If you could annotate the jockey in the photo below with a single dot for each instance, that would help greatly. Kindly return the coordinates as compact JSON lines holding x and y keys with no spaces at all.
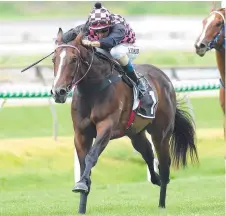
{"x":111,"y":32}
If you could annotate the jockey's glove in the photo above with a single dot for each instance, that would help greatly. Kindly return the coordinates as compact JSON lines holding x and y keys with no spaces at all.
{"x":90,"y":43}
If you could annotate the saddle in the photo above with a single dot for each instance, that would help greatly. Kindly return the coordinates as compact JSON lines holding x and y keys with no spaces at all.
{"x":144,"y":106}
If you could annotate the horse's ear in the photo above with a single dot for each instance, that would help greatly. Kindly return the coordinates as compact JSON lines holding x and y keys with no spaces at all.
{"x":213,"y":6}
{"x":59,"y":36}
{"x":78,"y":39}
{"x":85,"y":28}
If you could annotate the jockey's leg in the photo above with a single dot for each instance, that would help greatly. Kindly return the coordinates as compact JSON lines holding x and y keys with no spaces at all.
{"x":129,"y":69}
{"x":121,"y":54}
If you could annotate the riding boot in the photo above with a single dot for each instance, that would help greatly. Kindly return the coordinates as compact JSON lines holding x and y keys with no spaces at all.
{"x":130,"y":72}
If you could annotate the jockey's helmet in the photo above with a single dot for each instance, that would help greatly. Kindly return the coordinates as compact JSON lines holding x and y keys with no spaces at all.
{"x":99,"y":17}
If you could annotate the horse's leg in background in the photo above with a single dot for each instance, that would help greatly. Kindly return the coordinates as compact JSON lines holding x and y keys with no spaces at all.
{"x":104,"y":131}
{"x":143,"y":146}
{"x":82,"y":145}
{"x":161,"y":143}
{"x":222,"y":103}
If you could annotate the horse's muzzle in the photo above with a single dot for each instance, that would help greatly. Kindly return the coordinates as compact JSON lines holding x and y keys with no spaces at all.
{"x":59,"y":96}
{"x":200,"y":53}
{"x":201,"y":49}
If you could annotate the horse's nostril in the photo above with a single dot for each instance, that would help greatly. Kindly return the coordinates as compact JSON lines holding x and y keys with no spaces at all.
{"x":202,"y":46}
{"x":62,"y":92}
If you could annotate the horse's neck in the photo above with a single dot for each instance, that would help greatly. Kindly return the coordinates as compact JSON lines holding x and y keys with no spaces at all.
{"x":220,"y":57}
{"x":98,"y":68}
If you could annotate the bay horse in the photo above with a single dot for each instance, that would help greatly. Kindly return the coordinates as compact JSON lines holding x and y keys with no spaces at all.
{"x":213,"y":37}
{"x":102,"y":113}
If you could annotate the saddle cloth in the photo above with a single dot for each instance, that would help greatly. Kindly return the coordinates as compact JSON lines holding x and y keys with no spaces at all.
{"x":146,"y":105}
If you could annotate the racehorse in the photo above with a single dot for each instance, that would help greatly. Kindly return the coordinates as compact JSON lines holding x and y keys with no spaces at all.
{"x":213,"y":36}
{"x":102,"y":106}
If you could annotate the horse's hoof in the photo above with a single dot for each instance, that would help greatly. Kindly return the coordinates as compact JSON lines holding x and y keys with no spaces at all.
{"x":80,"y":187}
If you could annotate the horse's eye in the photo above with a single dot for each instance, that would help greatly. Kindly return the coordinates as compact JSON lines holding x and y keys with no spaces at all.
{"x":219,"y":24}
{"x":73,"y":59}
{"x":53,"y":59}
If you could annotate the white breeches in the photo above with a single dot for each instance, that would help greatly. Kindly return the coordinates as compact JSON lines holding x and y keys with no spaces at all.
{"x":125,"y":52}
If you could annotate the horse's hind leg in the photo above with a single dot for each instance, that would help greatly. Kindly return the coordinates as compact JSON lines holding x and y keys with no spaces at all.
{"x":161,"y":144}
{"x":143,"y":146}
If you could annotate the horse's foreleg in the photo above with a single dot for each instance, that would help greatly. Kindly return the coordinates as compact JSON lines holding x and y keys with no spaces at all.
{"x":104,"y":130}
{"x":222,"y":103}
{"x":82,"y":145}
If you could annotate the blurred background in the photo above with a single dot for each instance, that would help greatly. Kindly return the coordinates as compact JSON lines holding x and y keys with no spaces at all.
{"x":36,"y":135}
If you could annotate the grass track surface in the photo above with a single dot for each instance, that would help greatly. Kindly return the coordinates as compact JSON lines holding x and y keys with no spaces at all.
{"x":37,"y":173}
{"x":37,"y":177}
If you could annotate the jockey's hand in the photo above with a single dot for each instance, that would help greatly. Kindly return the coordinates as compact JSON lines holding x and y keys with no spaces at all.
{"x":91,"y":43}
{"x":86,"y":42}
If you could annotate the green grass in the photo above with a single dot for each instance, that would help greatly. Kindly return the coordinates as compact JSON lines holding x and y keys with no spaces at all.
{"x":37,"y":173}
{"x":157,"y":58}
{"x":140,"y":199}
{"x":39,"y":181}
{"x":37,"y":121}
{"x":53,"y":10}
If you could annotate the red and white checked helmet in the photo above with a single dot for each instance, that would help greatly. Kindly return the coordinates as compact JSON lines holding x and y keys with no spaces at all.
{"x":99,"y":17}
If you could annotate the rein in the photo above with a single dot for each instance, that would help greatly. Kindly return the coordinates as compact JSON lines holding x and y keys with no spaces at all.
{"x":73,"y":83}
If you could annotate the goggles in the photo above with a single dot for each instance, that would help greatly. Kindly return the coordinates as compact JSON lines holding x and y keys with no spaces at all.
{"x":101,"y":30}
{"x":99,"y":22}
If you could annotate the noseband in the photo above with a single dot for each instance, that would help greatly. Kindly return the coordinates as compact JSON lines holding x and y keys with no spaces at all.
{"x":217,"y":37}
{"x":74,"y":83}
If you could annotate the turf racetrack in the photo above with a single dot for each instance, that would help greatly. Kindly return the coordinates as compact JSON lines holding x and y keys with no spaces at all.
{"x":36,"y":173}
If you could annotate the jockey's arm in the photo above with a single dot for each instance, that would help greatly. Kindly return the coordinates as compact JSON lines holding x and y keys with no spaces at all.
{"x":116,"y":35}
{"x":72,"y":33}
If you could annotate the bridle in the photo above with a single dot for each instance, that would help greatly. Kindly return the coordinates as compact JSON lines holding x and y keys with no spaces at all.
{"x":73,"y":82}
{"x":217,"y":37}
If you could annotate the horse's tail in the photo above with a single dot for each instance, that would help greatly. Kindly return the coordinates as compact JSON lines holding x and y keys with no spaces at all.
{"x":183,"y":138}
